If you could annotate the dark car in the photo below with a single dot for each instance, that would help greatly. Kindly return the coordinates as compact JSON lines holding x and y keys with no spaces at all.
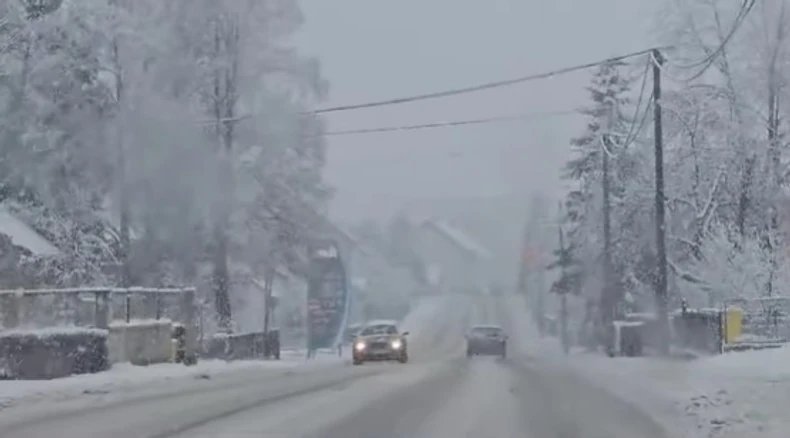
{"x":380,"y":340}
{"x":486,"y":340}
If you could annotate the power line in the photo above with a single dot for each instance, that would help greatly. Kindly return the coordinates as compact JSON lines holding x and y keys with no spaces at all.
{"x":632,"y":130}
{"x":434,"y":125}
{"x":707,"y":62}
{"x":481,"y":87}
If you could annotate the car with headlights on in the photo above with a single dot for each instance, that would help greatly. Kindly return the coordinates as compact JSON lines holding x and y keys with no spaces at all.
{"x":486,"y":340}
{"x":380,"y":341}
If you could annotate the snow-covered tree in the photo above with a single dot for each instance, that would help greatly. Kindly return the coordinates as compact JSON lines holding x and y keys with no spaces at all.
{"x":601,"y":172}
{"x":726,"y":147}
{"x":126,"y":126}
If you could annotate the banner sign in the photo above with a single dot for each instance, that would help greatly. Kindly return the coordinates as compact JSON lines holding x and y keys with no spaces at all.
{"x":327,"y":297}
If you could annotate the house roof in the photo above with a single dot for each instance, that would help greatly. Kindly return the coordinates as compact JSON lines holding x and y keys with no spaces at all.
{"x":457,"y":237}
{"x":24,"y":236}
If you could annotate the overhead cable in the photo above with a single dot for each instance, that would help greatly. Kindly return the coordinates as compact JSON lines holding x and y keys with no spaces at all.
{"x":707,"y":62}
{"x":521,"y":117}
{"x":481,"y":87}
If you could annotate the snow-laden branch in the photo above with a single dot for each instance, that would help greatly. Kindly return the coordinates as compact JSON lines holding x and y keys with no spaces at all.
{"x":223,"y":120}
{"x":684,"y":240}
{"x":684,"y":275}
{"x":710,"y":204}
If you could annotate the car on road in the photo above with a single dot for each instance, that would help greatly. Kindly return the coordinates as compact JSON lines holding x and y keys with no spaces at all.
{"x":378,"y":341}
{"x":486,"y":340}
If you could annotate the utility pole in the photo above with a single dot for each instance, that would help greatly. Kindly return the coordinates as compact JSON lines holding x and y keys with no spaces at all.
{"x":661,"y":269}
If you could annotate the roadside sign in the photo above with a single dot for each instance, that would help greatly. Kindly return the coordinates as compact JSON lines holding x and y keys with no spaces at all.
{"x":327,"y":297}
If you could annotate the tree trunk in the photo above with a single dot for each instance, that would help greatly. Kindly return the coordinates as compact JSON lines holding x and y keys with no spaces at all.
{"x":608,"y":298}
{"x":221,"y":278}
{"x":268,"y":285}
{"x":224,"y":101}
{"x":744,"y":200}
{"x":776,"y":179}
{"x":123,"y":192}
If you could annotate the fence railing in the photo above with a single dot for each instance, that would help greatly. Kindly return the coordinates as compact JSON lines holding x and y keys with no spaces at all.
{"x":758,"y":322}
{"x":93,"y":307}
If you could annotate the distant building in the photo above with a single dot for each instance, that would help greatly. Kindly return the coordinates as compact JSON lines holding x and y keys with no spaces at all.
{"x":379,"y":288}
{"x":454,"y":260}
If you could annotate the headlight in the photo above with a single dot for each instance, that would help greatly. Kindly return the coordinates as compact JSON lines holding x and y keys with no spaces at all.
{"x":396,"y":344}
{"x":359,"y":346}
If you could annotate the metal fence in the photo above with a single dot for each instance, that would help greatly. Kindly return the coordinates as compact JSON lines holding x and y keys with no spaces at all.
{"x":92,"y":307}
{"x":756,"y":323}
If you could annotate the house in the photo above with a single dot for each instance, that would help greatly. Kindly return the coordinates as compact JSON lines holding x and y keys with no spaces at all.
{"x":379,"y":288}
{"x":454,"y":261}
{"x":19,"y":241}
{"x":25,"y":237}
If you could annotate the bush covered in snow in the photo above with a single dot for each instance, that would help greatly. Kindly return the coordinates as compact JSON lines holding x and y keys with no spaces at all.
{"x":52,"y":353}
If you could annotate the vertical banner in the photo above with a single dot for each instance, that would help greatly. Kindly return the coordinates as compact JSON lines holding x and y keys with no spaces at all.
{"x":327,"y":297}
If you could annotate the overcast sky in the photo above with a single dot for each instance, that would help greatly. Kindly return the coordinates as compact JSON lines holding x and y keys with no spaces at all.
{"x":376,"y":49}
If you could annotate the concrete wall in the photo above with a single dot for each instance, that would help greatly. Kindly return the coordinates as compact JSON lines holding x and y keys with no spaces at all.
{"x":141,"y":342}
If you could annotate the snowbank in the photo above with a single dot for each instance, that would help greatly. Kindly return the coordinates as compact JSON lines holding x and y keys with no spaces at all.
{"x":736,"y":394}
{"x":739,"y":394}
{"x":124,"y":378}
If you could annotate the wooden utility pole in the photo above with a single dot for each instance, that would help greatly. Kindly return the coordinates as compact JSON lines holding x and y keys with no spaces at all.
{"x":661,"y":254}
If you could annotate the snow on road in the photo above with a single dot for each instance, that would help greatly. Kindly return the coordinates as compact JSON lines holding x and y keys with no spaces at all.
{"x":234,"y":402}
{"x":439,"y":392}
{"x":482,"y":403}
{"x":436,"y":335}
{"x":487,"y":396}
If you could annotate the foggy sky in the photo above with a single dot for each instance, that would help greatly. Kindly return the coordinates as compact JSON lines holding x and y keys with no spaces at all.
{"x":375,"y":49}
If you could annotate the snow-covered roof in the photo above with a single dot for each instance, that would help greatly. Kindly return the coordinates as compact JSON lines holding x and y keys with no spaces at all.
{"x":23,"y":235}
{"x":458,"y":237}
{"x":381,"y":322}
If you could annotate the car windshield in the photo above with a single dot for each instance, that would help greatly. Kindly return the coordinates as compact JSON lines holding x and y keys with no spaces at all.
{"x":381,"y":329}
{"x":486,"y":331}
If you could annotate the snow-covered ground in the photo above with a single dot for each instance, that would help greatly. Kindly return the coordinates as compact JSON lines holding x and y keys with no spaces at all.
{"x":739,"y":394}
{"x":732,"y":395}
{"x":125,"y":377}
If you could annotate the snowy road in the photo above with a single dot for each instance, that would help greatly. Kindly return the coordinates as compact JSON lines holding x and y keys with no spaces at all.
{"x":440,"y":393}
